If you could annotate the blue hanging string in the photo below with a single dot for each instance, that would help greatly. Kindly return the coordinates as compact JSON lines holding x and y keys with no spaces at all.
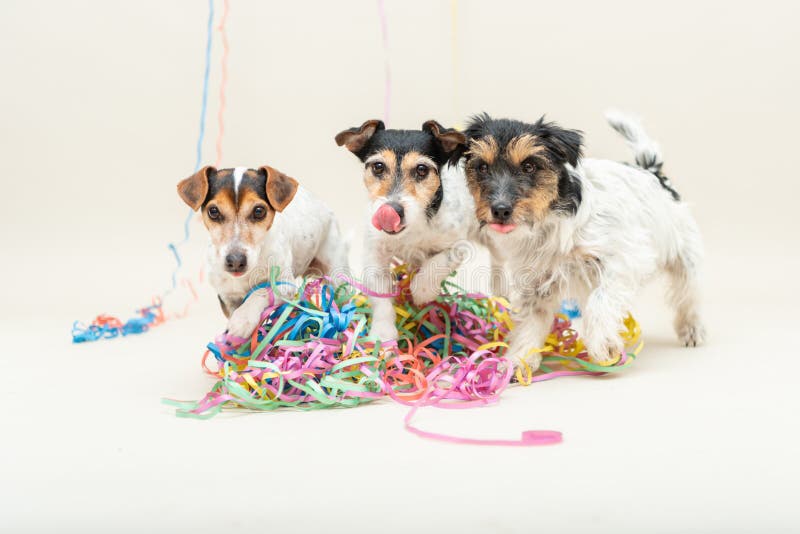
{"x":199,"y":149}
{"x":147,"y":316}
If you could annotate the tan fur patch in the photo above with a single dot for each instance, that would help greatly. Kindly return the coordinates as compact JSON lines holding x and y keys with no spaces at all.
{"x":379,"y":186}
{"x":484,"y":148}
{"x":537,"y":204}
{"x":483,"y":211}
{"x":422,"y":189}
{"x":521,"y":148}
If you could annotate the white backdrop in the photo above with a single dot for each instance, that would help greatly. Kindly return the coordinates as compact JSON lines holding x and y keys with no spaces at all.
{"x":100,"y":114}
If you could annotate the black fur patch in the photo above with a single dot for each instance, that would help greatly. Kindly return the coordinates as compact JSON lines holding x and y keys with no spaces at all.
{"x":436,"y":201}
{"x":570,"y":194}
{"x":566,"y":145}
{"x":252,"y":179}
{"x":666,"y":184}
{"x":402,"y":142}
{"x":221,"y":180}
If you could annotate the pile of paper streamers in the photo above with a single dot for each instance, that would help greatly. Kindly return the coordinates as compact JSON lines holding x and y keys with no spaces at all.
{"x":317,"y":352}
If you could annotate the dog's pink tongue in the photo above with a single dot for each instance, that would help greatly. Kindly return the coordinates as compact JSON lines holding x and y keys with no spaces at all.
{"x":387,"y":219}
{"x":502,"y":228}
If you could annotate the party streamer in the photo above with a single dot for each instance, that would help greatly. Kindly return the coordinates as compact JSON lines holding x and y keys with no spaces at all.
{"x":454,"y":59}
{"x":387,"y":86}
{"x":223,"y":83}
{"x":317,"y":352}
{"x":106,"y":326}
{"x":200,"y":138}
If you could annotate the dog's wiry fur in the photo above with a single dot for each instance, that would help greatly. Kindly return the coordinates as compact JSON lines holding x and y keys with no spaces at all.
{"x":408,"y":171}
{"x":567,"y":226}
{"x":259,"y":219}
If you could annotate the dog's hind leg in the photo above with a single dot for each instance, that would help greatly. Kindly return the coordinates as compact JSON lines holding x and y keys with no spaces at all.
{"x":684,"y":290}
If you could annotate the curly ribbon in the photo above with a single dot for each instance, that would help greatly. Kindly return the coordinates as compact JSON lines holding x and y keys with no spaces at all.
{"x":315,"y":351}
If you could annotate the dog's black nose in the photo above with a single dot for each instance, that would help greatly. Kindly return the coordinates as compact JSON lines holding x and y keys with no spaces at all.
{"x":501,"y":211}
{"x":236,"y":262}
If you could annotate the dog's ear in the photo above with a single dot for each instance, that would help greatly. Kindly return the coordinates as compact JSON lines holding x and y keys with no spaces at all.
{"x":356,"y":138}
{"x":280,"y":188}
{"x":567,"y":144}
{"x":193,"y":190}
{"x":452,"y":142}
{"x":450,"y":139}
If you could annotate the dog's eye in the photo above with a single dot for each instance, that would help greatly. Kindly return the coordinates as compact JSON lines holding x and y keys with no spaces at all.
{"x":422,"y":171}
{"x":259,"y":213}
{"x":483,"y":168}
{"x":528,"y":167}
{"x":214,"y":214}
{"x":378,"y":168}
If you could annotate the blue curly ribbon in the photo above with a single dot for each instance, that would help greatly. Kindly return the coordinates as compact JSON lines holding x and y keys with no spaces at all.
{"x":571,"y":309}
{"x":303,"y":318}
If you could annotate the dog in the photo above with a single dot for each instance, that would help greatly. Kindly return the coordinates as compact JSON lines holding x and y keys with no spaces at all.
{"x":259,"y":219}
{"x":567,"y":226}
{"x":420,"y":210}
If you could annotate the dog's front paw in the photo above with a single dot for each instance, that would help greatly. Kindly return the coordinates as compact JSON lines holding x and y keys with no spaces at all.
{"x":691,"y":334}
{"x":605,"y":350}
{"x":384,"y":331}
{"x":423,"y":290}
{"x":244,"y":320}
{"x":523,"y":357}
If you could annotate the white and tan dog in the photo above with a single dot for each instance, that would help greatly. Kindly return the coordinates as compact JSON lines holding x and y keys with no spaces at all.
{"x":567,"y":226}
{"x":420,"y":212}
{"x":259,"y":219}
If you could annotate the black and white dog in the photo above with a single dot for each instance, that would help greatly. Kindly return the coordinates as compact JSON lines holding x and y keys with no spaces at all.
{"x":592,"y":229}
{"x":420,"y":211}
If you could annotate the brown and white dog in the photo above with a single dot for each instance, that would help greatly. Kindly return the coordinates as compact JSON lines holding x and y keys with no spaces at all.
{"x":259,"y":219}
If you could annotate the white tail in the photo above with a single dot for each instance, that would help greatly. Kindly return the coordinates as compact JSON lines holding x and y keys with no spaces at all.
{"x":645,"y":151}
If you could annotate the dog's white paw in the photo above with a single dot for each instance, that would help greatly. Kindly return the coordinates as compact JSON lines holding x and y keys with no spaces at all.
{"x":691,"y":334}
{"x":523,"y":358}
{"x":423,"y":290}
{"x":244,"y":320}
{"x":605,"y":351}
{"x":385,"y":331}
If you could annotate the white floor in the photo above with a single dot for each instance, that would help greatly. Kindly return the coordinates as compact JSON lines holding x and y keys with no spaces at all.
{"x":701,"y":440}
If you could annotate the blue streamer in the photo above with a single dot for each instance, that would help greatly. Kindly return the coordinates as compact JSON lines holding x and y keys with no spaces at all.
{"x":571,"y":309}
{"x":199,"y":148}
{"x":139,"y":325}
{"x":305,"y":320}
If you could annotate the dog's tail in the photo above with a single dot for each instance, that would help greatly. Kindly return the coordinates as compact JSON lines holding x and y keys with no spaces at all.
{"x":646,"y":152}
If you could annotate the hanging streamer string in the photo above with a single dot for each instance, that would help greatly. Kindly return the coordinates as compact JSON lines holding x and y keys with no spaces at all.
{"x":200,"y":139}
{"x":223,"y":84}
{"x":106,"y":326}
{"x":454,"y":61}
{"x":317,"y":351}
{"x":387,"y":86}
